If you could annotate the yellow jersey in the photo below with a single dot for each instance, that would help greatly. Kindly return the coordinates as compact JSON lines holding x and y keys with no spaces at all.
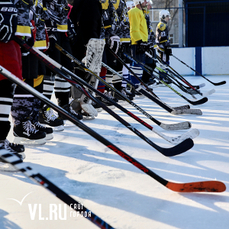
{"x":138,"y":26}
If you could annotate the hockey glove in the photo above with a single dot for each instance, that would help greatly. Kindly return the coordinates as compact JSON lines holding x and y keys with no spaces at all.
{"x":141,"y":47}
{"x":115,"y":42}
{"x":167,"y":44}
{"x":8,"y":21}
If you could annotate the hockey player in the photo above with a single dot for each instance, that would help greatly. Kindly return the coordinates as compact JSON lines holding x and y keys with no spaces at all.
{"x":110,"y":21}
{"x":162,"y":39}
{"x":86,"y":27}
{"x":10,"y":58}
{"x":39,"y":14}
{"x":57,"y":27}
{"x":130,"y":5}
{"x":139,"y":36}
{"x":24,"y":106}
{"x":86,"y":16}
{"x":150,"y":47}
{"x":123,"y":31}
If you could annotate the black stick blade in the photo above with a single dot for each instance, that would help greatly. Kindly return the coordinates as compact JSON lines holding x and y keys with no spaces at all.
{"x":199,"y":102}
{"x":178,"y":149}
{"x":219,"y":83}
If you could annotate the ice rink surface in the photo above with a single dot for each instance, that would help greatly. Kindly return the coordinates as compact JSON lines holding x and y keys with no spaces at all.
{"x":114,"y":189}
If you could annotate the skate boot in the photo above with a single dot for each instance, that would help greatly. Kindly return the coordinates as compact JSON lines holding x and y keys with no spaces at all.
{"x":13,"y":148}
{"x":70,"y":110}
{"x":48,"y":130}
{"x":48,"y":117}
{"x":5,"y":148}
{"x":27,"y":134}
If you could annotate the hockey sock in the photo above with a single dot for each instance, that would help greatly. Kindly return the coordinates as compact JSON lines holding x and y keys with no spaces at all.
{"x":138,"y":71}
{"x":22,"y":108}
{"x":48,"y":86}
{"x":6,"y":99}
{"x":101,"y":86}
{"x":125,"y":74}
{"x":62,"y":91}
{"x":5,"y":128}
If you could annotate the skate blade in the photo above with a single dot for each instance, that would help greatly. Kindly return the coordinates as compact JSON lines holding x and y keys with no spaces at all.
{"x":28,"y":142}
{"x":22,"y":154}
{"x":58,"y":128}
{"x":49,"y":137}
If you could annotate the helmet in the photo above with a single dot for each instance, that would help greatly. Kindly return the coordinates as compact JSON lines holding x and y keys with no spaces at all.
{"x":136,"y":2}
{"x":163,"y":14}
{"x":129,"y":4}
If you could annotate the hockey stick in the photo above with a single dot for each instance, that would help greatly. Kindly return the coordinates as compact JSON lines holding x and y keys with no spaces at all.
{"x":171,"y":75}
{"x":201,"y":101}
{"x":178,"y":76}
{"x":130,"y":70}
{"x":182,"y":78}
{"x":57,"y":68}
{"x":200,"y":186}
{"x":216,"y":84}
{"x":168,"y":76}
{"x":158,"y":59}
{"x":183,"y":125}
{"x":176,"y":140}
{"x":174,"y":80}
{"x":129,"y":82}
{"x":198,"y":102}
{"x":26,"y":169}
{"x":160,"y":103}
{"x":173,"y":110}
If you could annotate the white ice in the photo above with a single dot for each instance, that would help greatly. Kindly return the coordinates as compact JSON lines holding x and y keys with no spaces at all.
{"x":114,"y":189}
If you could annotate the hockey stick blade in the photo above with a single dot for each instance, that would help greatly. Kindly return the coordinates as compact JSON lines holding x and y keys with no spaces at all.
{"x":187,"y":111}
{"x":26,"y":169}
{"x":182,"y":107}
{"x":190,"y":134}
{"x":209,"y":93}
{"x":199,"y":86}
{"x":178,"y":149}
{"x":176,"y":126}
{"x":203,"y":186}
{"x":192,"y":92}
{"x":219,"y":83}
{"x":196,"y":86}
{"x":198,"y":102}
